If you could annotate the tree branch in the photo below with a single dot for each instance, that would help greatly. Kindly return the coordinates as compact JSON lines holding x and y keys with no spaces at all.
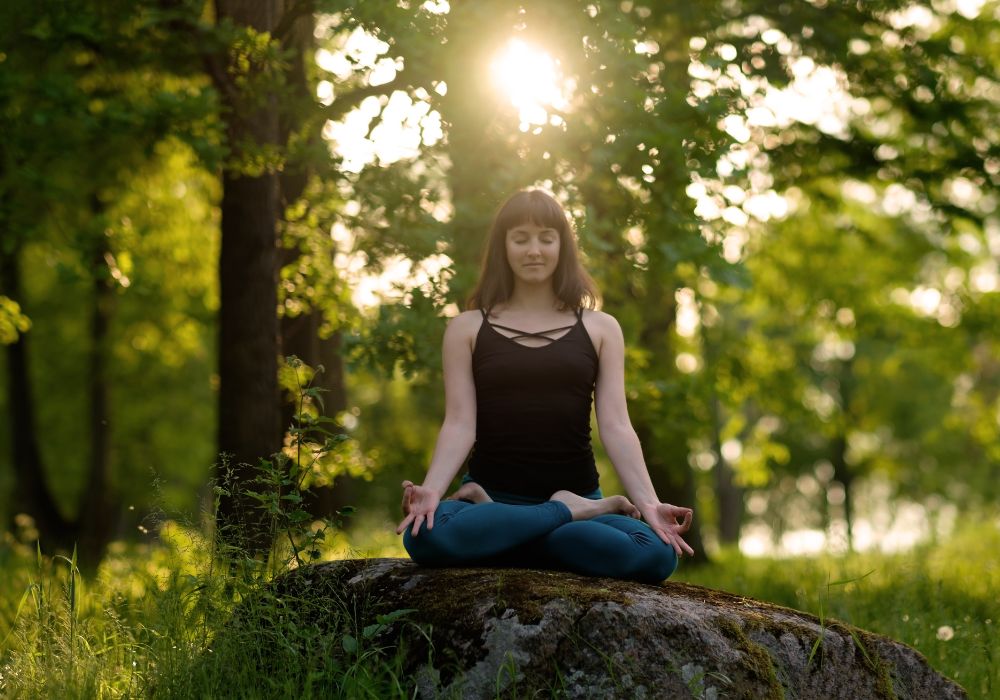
{"x":302,"y":7}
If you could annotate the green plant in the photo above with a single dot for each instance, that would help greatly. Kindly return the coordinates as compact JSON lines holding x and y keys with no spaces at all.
{"x":508,"y":671}
{"x":178,"y":618}
{"x":821,"y":614}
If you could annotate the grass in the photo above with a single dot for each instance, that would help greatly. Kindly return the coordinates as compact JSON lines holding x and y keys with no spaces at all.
{"x":157,"y":620}
{"x":167,"y":620}
{"x":941,"y":599}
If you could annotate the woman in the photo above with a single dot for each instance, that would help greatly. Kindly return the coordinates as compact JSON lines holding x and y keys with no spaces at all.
{"x":520,"y":370}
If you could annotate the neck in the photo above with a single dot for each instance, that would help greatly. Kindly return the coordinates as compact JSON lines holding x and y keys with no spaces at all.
{"x":533,"y":297}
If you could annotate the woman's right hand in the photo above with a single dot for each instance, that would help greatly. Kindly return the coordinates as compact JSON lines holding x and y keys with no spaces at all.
{"x":419,"y":504}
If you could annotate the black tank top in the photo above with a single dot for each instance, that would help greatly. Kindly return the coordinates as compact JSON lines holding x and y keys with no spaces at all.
{"x":533,"y":411}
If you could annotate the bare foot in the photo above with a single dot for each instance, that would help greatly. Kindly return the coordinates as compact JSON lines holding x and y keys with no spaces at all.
{"x":470,"y":491}
{"x":586,"y":508}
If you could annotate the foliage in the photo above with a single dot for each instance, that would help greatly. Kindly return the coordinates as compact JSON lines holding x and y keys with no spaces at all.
{"x":809,"y":331}
{"x":12,"y":321}
{"x":160,"y":620}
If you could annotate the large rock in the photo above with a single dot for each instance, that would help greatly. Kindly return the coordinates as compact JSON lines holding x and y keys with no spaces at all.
{"x":521,"y":633}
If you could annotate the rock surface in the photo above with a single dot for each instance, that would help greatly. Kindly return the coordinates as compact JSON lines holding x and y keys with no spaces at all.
{"x":520,"y":633}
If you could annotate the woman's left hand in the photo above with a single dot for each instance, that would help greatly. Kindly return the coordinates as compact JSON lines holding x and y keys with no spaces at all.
{"x":669,"y":522}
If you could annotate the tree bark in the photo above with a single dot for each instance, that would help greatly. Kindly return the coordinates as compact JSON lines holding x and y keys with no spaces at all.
{"x":31,"y":491}
{"x":249,"y":408}
{"x":728,"y":496}
{"x":95,"y":511}
{"x":842,"y":473}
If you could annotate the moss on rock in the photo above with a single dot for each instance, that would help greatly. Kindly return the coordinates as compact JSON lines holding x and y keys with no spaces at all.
{"x":483,"y":633}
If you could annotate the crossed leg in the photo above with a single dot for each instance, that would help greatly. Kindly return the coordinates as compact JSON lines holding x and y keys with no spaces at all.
{"x":609,"y":545}
{"x":467,"y":533}
{"x":543,"y":536}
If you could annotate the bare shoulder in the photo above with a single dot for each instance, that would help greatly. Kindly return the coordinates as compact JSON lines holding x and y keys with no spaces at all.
{"x":602,"y":328}
{"x":465,"y":326}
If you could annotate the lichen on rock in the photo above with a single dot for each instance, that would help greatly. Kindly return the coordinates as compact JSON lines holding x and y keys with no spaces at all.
{"x":485,"y":633}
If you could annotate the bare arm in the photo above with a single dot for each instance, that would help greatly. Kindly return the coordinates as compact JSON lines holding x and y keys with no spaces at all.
{"x":458,"y":431}
{"x":622,"y":444}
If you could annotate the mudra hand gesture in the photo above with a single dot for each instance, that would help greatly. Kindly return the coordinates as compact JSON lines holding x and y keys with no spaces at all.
{"x":419,"y":504}
{"x":669,"y":522}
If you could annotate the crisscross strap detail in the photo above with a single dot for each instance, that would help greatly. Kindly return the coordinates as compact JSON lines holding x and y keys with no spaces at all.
{"x":540,"y":335}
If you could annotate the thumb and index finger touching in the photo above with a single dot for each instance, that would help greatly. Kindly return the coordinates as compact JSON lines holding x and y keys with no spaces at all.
{"x":416,"y":516}
{"x":673,"y":522}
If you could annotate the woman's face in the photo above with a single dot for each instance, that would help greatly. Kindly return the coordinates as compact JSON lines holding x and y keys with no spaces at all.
{"x":532,"y":252}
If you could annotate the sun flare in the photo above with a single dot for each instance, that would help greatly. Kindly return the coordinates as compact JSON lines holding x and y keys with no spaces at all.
{"x":532,"y":81}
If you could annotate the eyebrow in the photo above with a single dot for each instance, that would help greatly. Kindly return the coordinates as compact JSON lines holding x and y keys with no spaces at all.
{"x":519,"y":229}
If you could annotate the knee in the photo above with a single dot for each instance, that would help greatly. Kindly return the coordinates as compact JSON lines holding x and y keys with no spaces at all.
{"x":427,"y":548}
{"x":656,"y":564}
{"x":648,"y":559}
{"x":432,"y":546}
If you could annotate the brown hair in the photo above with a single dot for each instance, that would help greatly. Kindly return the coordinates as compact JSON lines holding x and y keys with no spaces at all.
{"x":573,"y":286}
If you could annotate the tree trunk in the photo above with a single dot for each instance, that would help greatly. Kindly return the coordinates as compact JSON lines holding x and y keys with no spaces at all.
{"x":95,"y":511}
{"x":842,"y":471}
{"x":249,"y":408}
{"x":843,"y":474}
{"x":31,"y":492}
{"x":728,"y":496}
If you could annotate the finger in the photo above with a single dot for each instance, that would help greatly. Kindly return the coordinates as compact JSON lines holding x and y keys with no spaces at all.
{"x":684,"y":545}
{"x":406,"y":521}
{"x":417,"y":523}
{"x":685,"y":524}
{"x":430,"y":520}
{"x":407,"y":483}
{"x":669,"y":540}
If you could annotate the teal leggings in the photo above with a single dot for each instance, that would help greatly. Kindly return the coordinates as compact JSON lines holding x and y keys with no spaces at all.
{"x":514,"y":531}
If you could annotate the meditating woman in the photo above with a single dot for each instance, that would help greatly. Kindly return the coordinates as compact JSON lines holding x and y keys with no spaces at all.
{"x":521,"y":368}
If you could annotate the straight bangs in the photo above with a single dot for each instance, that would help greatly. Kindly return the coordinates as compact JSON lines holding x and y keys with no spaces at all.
{"x":531,"y":207}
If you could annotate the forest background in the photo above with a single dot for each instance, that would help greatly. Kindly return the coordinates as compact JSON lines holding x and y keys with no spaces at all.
{"x":791,"y":208}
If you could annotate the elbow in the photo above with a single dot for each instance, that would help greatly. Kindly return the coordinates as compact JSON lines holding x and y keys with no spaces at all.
{"x":460,"y":428}
{"x":615,"y":430}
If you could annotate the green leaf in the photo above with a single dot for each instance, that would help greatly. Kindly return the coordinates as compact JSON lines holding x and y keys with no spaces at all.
{"x":391,"y":617}
{"x":371,"y":630}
